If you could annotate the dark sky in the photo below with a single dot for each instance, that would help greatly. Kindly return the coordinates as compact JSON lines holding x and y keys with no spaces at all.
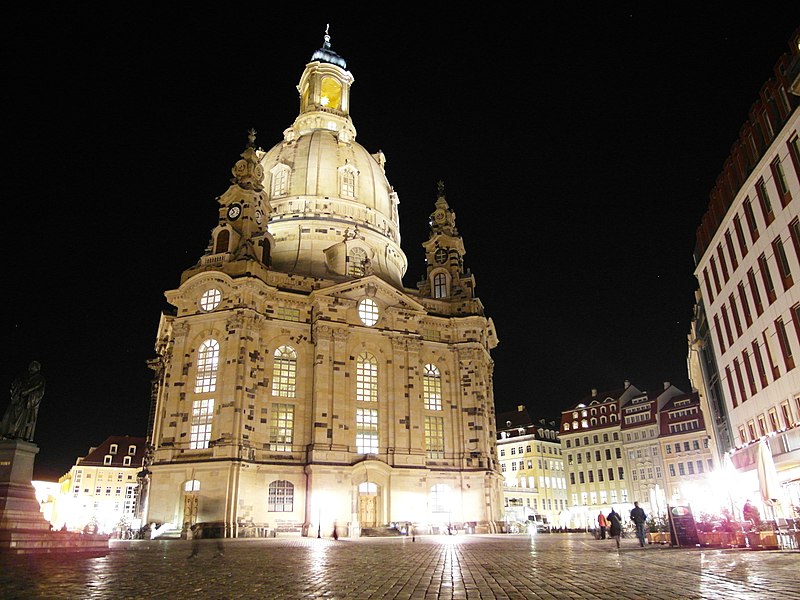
{"x":578,"y":147}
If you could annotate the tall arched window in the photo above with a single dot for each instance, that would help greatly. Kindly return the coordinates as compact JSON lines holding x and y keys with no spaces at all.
{"x":284,"y":372}
{"x":207,"y":366}
{"x":281,"y":496}
{"x":440,"y":285}
{"x":366,"y":378}
{"x":223,"y":242}
{"x":432,"y":388}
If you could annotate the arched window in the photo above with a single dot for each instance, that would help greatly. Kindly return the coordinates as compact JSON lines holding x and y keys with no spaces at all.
{"x":366,"y":378}
{"x":432,"y":388}
{"x":440,"y":285}
{"x":284,"y":372}
{"x":223,"y":241}
{"x":207,"y":366}
{"x":281,"y":496}
{"x":192,"y":485}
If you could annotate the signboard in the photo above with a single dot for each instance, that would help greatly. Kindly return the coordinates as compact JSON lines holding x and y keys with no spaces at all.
{"x":682,"y":528}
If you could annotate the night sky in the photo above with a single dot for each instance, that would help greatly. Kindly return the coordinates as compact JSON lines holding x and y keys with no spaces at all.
{"x":577,"y":146}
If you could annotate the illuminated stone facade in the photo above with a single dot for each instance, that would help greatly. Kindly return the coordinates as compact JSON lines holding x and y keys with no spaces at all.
{"x":298,"y":384}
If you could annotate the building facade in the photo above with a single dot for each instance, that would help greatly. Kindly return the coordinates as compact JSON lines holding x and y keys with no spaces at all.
{"x":299,"y":385}
{"x":534,"y":485}
{"x":100,"y":492}
{"x":594,"y":459}
{"x":745,"y":345}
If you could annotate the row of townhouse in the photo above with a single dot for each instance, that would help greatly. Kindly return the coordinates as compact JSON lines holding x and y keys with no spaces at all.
{"x":611,"y":449}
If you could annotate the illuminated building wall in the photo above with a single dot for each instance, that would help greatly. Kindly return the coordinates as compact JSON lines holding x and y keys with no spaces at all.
{"x":747,"y":259}
{"x":101,"y":488}
{"x":532,"y":465}
{"x":298,"y":382}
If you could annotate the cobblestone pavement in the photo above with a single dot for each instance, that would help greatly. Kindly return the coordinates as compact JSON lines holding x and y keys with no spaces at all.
{"x":564,"y":566}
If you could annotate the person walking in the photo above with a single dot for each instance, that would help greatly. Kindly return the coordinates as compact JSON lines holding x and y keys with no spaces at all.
{"x":602,"y":523}
{"x":639,"y":519}
{"x":615,"y":526}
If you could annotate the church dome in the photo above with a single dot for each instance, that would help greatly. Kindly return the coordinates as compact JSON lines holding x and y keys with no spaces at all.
{"x":333,"y":212}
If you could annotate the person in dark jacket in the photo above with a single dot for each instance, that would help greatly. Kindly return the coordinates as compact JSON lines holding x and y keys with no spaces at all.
{"x":614,"y":525}
{"x":639,"y":519}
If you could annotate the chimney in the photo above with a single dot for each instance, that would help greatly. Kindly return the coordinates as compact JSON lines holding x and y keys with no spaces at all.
{"x":520,"y":408}
{"x":627,"y":383}
{"x":666,"y":385}
{"x":594,"y":392}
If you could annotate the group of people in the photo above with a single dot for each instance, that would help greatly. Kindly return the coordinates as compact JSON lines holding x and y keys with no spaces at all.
{"x":613,"y":522}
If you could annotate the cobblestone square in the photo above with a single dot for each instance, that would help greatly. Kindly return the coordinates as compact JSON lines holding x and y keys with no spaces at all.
{"x":566,"y":566}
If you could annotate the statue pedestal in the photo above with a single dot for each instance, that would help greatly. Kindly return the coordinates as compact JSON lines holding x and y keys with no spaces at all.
{"x":23,"y":528}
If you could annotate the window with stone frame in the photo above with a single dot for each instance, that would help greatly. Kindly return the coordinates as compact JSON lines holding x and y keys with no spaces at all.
{"x":434,"y":436}
{"x":202,"y":417}
{"x":281,"y":427}
{"x":280,"y":496}
{"x":366,"y":431}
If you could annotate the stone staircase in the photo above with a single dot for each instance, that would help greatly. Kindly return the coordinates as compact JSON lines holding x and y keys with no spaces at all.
{"x":380,"y":532}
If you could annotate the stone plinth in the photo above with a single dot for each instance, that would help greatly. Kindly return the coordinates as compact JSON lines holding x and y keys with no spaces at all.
{"x":23,"y":528}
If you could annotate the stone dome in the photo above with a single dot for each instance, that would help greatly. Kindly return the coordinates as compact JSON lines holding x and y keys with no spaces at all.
{"x":329,"y":197}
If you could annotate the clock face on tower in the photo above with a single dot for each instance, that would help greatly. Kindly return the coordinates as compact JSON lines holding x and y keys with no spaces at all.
{"x":234,"y":210}
{"x":440,"y":256}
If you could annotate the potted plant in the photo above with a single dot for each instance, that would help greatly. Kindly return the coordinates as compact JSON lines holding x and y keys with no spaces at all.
{"x":658,"y":531}
{"x":763,"y":538}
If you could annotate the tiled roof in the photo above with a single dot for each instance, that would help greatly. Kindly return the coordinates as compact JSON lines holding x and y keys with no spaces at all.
{"x":96,"y":455}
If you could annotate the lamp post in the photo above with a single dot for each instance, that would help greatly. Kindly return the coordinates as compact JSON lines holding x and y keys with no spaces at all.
{"x":319,"y":523}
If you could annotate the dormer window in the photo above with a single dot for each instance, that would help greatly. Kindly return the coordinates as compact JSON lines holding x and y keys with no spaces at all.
{"x":356,"y":262}
{"x":126,"y":461}
{"x":131,"y":450}
{"x":280,"y":181}
{"x":348,"y":178}
{"x":107,"y":459}
{"x":113,"y":449}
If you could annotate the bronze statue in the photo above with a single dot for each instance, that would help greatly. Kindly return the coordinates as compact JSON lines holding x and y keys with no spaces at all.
{"x":27,"y":390}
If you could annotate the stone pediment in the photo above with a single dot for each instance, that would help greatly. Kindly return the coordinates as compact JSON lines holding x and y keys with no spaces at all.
{"x":372,"y":287}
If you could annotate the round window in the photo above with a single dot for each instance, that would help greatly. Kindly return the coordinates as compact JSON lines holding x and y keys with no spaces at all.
{"x":368,"y":312}
{"x":210,"y":299}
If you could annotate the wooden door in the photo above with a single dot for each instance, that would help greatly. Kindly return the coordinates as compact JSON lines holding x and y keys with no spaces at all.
{"x":367,"y":509}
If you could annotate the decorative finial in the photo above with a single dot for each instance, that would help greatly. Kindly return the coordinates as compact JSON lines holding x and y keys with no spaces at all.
{"x":327,"y":43}
{"x":251,"y":138}
{"x":440,"y":188}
